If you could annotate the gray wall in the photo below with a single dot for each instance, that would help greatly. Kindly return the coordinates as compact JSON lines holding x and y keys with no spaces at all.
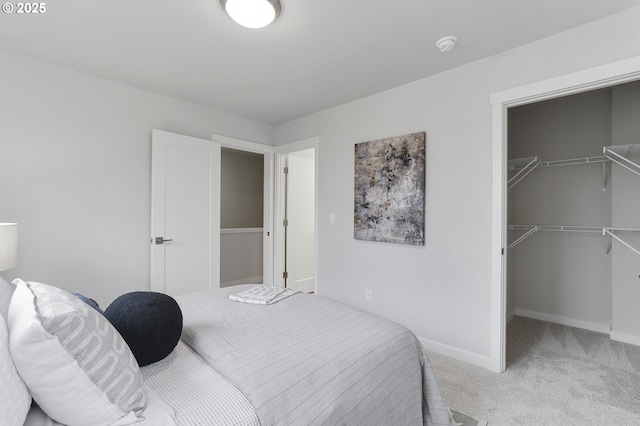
{"x":75,"y":172}
{"x":241,"y":189}
{"x":625,"y":190}
{"x":558,"y":275}
{"x":441,"y":291}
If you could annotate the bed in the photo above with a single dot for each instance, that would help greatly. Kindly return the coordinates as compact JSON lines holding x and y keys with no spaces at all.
{"x":305,"y":360}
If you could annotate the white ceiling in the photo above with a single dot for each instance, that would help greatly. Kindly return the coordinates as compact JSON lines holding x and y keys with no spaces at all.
{"x":319,"y":53}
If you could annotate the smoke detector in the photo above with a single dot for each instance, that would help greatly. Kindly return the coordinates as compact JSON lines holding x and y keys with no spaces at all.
{"x":446,"y":44}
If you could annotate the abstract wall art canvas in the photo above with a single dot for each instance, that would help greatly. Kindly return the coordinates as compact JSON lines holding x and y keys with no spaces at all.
{"x":389,"y":201}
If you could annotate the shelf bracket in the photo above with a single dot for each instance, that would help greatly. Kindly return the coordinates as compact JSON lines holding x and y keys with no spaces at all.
{"x":610,"y":233}
{"x":524,"y":171}
{"x":621,"y":160}
{"x":522,"y":237}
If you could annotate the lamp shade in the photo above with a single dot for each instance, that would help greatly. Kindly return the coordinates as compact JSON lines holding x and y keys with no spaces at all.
{"x":8,"y":245}
{"x":252,"y":13}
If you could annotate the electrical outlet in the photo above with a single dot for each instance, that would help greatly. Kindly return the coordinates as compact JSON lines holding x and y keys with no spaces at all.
{"x":367,"y":296}
{"x":332,"y":218}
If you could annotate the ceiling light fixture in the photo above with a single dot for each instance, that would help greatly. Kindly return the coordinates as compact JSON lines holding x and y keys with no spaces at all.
{"x":446,"y":44}
{"x":252,"y":13}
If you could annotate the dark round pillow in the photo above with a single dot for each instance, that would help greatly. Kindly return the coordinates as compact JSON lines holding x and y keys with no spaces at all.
{"x":150,"y":323}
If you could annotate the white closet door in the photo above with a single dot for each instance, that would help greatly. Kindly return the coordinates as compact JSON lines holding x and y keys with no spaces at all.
{"x":301,"y":214}
{"x":185,"y":213}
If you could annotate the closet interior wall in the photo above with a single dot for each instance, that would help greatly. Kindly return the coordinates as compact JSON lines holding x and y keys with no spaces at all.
{"x":580,"y":279}
{"x":241,"y":217}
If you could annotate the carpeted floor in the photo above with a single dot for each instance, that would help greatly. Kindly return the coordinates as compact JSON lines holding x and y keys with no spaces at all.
{"x":556,"y":375}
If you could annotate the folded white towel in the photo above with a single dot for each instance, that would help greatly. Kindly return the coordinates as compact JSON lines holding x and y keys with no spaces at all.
{"x":262,"y":294}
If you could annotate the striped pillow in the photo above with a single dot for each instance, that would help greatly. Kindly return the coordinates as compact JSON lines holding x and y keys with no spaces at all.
{"x":75,"y":364}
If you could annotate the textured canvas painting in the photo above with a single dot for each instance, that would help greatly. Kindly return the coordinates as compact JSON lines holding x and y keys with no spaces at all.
{"x":389,"y":190}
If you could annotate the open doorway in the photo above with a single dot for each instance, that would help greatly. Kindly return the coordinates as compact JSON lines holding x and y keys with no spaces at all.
{"x":296,"y":218}
{"x":247,"y":226}
{"x":241,"y":217}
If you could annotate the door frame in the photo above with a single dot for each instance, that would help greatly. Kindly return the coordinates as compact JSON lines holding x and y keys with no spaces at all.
{"x":268,"y":235}
{"x":280,"y":153}
{"x":615,"y":73}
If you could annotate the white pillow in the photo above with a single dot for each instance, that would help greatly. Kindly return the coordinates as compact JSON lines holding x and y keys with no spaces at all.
{"x":77,"y":367}
{"x":15,"y":400}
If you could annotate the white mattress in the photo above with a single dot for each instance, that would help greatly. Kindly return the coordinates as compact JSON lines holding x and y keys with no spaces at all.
{"x":198,"y":394}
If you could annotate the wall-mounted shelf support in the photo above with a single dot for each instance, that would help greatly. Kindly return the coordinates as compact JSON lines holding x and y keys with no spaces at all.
{"x":619,"y":154}
{"x":524,"y":167}
{"x":610,"y":232}
{"x":609,"y":152}
{"x":530,"y":230}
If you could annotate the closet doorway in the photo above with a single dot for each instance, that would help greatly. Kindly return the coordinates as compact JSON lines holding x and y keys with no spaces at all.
{"x":241,"y":217}
{"x":558,"y":265}
{"x":572,"y":199}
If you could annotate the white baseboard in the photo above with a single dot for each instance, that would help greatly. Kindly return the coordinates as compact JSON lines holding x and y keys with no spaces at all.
{"x":252,"y":280}
{"x":557,"y":319}
{"x":625,"y":338}
{"x":456,"y":353}
{"x":510,"y":316}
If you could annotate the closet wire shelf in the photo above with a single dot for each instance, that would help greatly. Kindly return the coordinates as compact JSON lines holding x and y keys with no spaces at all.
{"x":617,"y":154}
{"x":609,"y":232}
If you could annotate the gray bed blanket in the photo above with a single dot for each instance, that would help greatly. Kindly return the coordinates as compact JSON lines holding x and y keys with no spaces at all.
{"x":308,"y":360}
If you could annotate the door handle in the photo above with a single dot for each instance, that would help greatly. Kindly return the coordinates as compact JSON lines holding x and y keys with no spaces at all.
{"x":162,"y":240}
